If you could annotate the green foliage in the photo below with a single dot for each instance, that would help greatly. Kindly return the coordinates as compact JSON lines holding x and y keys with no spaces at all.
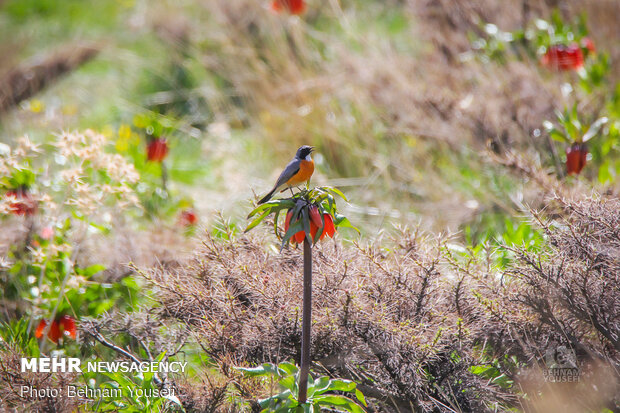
{"x":496,"y":371}
{"x":491,"y":245}
{"x":531,"y":41}
{"x":15,"y":334}
{"x":595,"y":73}
{"x":571,"y":128}
{"x":322,"y":392}
{"x":183,"y":165}
{"x":20,"y":178}
{"x":492,"y":373}
{"x":43,"y":281}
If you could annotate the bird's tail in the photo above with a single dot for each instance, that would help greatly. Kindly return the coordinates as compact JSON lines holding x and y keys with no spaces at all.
{"x":267,"y":197}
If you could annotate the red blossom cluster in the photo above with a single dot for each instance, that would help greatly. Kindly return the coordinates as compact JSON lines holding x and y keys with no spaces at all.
{"x":561,"y":57}
{"x":188,"y":218}
{"x":315,"y":224}
{"x":568,"y":57}
{"x":290,"y":6}
{"x":63,"y":326}
{"x":576,"y":156}
{"x":157,"y":149}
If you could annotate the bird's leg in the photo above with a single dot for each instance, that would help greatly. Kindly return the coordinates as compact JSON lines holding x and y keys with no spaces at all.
{"x":291,"y":189}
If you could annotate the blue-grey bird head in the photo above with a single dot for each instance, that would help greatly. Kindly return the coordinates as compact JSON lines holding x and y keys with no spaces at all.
{"x":304,"y":151}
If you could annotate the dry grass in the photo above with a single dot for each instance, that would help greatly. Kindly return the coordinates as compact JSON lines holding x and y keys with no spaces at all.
{"x":400,"y":115}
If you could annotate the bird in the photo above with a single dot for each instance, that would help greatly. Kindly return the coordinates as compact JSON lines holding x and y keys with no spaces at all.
{"x":299,"y":170}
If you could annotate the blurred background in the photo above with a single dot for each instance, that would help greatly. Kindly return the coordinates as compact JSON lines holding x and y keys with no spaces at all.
{"x":402,"y":99}
{"x":143,"y":131}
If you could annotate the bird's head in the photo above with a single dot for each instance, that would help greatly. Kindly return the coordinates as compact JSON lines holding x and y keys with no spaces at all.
{"x":304,"y":152}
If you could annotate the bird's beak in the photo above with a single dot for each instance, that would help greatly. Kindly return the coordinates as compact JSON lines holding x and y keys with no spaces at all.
{"x":312,"y":149}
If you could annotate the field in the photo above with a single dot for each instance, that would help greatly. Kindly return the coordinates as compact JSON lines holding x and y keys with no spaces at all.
{"x":475,"y":264}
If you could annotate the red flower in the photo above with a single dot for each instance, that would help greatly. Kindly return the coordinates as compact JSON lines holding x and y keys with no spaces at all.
{"x":298,"y":237}
{"x":561,"y":57}
{"x":330,"y":228}
{"x":24,"y":203}
{"x":67,"y":326}
{"x":188,"y":217}
{"x":287,"y":221}
{"x":576,"y":156}
{"x":157,"y":149}
{"x":315,"y":224}
{"x":315,"y":216}
{"x":291,"y":6}
{"x":62,"y":326}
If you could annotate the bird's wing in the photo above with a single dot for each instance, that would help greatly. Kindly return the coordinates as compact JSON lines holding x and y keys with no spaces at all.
{"x":289,"y":171}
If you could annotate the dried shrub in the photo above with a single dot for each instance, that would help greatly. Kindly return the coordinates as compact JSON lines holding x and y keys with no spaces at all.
{"x":12,"y":380}
{"x":385,"y":318}
{"x":410,"y":320}
{"x":573,"y":288}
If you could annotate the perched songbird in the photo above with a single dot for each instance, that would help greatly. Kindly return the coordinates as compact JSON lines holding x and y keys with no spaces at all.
{"x":298,"y":171}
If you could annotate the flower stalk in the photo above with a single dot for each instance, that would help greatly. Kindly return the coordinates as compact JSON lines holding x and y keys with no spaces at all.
{"x":306,"y":323}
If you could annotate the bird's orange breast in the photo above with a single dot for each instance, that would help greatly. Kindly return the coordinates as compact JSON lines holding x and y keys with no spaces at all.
{"x":306,"y":169}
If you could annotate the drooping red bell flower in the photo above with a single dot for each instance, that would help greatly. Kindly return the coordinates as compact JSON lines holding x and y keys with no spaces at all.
{"x":24,"y":203}
{"x":188,"y":217}
{"x":157,"y":149}
{"x":63,"y":326}
{"x":53,"y":333}
{"x":298,"y":237}
{"x":576,"y":157}
{"x":315,"y":225}
{"x":290,"y":6}
{"x":287,"y":221}
{"x":561,"y":57}
{"x":330,"y":228}
{"x":315,"y":216}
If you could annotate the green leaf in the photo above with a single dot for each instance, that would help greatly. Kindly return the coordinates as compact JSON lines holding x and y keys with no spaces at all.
{"x":305,"y":219}
{"x":594,"y":128}
{"x":336,"y":191}
{"x":321,"y":385}
{"x":556,"y":135}
{"x":265,"y":369}
{"x":275,"y":399}
{"x":342,"y":221}
{"x":338,"y":401}
{"x":262,"y":207}
{"x":91,"y":270}
{"x":257,"y":220}
{"x":360,"y":397}
{"x":275,"y":222}
{"x":341,"y":385}
{"x":288,"y":368}
{"x":289,"y":383}
{"x":292,"y":230}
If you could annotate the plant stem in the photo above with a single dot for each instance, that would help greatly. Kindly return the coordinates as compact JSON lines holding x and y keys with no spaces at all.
{"x":306,"y":323}
{"x":164,"y":177}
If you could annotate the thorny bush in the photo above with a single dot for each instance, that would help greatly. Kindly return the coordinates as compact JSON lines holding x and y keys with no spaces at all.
{"x":415,"y":321}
